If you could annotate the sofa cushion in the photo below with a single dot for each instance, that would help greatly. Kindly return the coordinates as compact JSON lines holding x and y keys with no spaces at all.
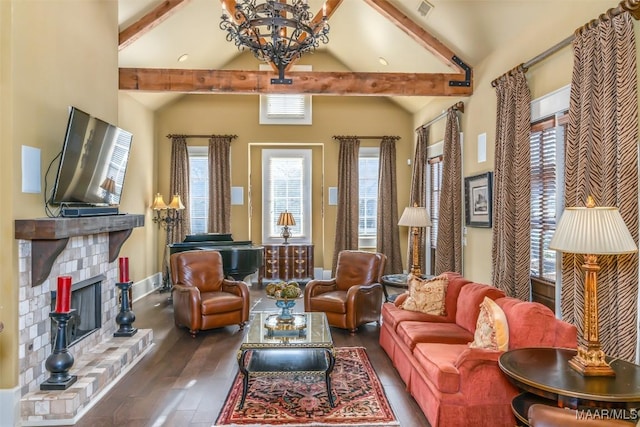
{"x":456,"y":282}
{"x":471,"y":295}
{"x":438,"y":362}
{"x":531,"y":324}
{"x":393,"y":315}
{"x":492,"y":329}
{"x":426,"y":295}
{"x":412,"y":333}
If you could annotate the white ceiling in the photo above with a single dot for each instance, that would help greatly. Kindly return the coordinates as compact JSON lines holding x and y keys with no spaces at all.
{"x":359,"y":35}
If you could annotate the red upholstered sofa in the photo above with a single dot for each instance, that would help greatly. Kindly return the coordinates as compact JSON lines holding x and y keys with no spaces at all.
{"x":453,"y":384}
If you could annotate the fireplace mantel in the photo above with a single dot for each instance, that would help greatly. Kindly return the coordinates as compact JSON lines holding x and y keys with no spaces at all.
{"x":49,"y":237}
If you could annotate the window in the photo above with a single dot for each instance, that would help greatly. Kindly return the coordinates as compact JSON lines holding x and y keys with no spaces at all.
{"x":547,"y":153}
{"x":199,"y":188}
{"x":549,"y":120}
{"x":286,"y":180}
{"x":368,"y":160}
{"x":435,"y":188}
{"x":285,"y":109}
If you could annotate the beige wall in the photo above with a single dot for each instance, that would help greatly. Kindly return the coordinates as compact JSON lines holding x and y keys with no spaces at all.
{"x":139,"y":186}
{"x":54,"y":54}
{"x":480,"y":109}
{"x":238,"y":114}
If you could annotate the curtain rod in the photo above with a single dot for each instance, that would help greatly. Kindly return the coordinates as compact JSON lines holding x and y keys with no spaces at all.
{"x":631,"y":6}
{"x":458,"y":106}
{"x":339,"y":137}
{"x":179,"y":135}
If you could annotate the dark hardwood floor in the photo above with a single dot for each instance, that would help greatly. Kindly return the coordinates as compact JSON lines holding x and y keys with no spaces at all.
{"x":184,"y":381}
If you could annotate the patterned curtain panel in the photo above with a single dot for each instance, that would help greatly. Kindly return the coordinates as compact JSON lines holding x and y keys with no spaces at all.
{"x":347,"y":217}
{"x":418,"y":195}
{"x":512,"y":187}
{"x":601,"y":160}
{"x":388,"y":236}
{"x":449,"y":244}
{"x":219,"y":185}
{"x":179,"y":184}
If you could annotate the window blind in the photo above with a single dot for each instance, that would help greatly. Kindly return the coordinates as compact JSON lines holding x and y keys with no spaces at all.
{"x":546,"y":143}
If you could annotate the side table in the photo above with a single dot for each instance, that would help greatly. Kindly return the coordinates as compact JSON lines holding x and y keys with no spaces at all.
{"x":545,"y":376}
{"x":396,"y":281}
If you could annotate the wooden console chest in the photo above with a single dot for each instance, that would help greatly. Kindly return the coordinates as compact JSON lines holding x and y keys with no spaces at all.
{"x":287,"y":262}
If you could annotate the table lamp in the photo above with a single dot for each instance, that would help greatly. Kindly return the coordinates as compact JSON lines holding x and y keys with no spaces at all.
{"x":592,"y":231}
{"x":415,"y":217}
{"x":286,"y":219}
{"x":109,"y":187}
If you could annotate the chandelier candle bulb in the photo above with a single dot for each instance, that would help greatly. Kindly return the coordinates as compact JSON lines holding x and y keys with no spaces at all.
{"x":63,"y":296}
{"x":124,"y":269}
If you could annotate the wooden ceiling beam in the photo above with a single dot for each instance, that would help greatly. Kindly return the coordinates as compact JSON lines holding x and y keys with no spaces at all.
{"x":149,"y":21}
{"x":314,"y":83}
{"x":416,"y":32}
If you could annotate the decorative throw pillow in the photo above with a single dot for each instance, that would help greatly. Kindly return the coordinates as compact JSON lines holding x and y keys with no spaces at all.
{"x":426,"y":296}
{"x":492,"y":329}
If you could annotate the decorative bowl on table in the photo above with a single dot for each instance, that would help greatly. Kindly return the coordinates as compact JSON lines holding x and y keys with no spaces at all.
{"x":285,"y":294}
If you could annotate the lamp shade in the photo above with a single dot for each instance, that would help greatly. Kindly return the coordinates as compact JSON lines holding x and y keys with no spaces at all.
{"x":158,"y":203}
{"x":286,"y":218}
{"x":176,"y":203}
{"x":415,"y":216}
{"x":592,"y":231}
{"x":108,"y":185}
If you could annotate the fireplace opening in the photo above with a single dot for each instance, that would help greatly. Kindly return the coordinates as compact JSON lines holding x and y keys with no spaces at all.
{"x":86,"y":299}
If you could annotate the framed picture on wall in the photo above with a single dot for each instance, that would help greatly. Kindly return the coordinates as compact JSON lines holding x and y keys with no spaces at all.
{"x":477,"y":200}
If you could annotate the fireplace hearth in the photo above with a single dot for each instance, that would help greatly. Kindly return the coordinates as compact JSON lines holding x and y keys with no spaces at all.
{"x":86,"y":299}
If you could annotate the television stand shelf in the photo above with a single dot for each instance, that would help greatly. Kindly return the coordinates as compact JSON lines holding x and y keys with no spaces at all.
{"x":49,"y":237}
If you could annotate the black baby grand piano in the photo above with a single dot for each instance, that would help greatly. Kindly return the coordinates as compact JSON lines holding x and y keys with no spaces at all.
{"x":239,"y":258}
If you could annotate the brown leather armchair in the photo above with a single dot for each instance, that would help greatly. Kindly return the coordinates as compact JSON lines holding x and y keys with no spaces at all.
{"x":202,"y":297}
{"x":551,"y":416}
{"x":354,"y":296}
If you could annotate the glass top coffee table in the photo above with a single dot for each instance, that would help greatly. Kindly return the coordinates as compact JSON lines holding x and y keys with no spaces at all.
{"x":273,"y":347}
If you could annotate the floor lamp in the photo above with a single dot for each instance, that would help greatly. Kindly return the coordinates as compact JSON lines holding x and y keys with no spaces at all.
{"x":415,"y":217}
{"x":592,"y":231}
{"x":167,"y":217}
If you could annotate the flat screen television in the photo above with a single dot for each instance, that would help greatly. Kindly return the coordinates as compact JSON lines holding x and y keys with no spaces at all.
{"x":93,"y":162}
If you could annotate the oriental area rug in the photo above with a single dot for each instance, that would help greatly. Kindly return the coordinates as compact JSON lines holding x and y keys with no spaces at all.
{"x":301,"y":400}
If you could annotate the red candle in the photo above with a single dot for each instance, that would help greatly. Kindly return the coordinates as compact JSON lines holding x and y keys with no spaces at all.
{"x":124,"y":269}
{"x":63,"y":297}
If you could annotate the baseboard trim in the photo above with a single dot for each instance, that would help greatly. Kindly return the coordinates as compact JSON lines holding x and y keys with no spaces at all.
{"x":146,"y":286}
{"x":10,"y":407}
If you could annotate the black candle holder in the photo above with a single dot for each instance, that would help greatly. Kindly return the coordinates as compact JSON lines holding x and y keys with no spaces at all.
{"x":126,"y":317}
{"x":60,"y":360}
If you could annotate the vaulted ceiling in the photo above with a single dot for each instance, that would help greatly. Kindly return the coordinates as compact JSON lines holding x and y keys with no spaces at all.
{"x":426,"y":55}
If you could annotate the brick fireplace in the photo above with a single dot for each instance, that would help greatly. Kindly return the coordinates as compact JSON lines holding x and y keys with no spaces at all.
{"x":88,"y":255}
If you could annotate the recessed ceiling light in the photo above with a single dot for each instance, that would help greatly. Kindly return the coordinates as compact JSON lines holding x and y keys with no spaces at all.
{"x":383,"y":61}
{"x":183,"y":57}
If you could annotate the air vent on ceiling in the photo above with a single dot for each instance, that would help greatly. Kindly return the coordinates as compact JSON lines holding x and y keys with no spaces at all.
{"x":424,"y":7}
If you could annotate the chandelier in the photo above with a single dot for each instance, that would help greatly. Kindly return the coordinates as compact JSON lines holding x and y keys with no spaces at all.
{"x":275,"y":31}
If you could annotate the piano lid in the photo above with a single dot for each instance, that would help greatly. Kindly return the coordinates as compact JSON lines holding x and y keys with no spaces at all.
{"x":208,"y":237}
